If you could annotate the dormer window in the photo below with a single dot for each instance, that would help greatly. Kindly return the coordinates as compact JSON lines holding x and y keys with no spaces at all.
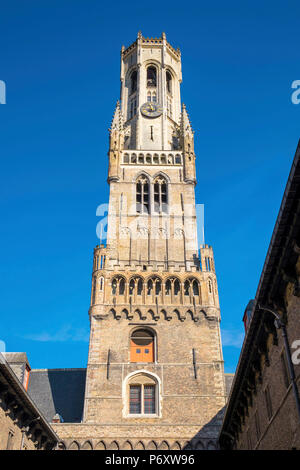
{"x":151,"y":76}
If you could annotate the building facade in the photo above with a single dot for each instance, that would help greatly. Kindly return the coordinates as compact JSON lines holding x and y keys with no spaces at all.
{"x":263,"y":410}
{"x":22,"y":425}
{"x":155,"y":376}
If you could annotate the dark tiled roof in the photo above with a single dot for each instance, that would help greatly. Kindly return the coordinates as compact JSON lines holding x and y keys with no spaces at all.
{"x":58,"y":391}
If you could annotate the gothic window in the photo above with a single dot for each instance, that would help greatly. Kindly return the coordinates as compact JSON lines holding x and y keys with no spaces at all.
{"x":160,"y":195}
{"x":94,"y":290}
{"x":142,"y":195}
{"x":176,"y":287}
{"x":191,"y":286}
{"x":207,"y":264}
{"x":114,"y":287}
{"x":131,"y":287}
{"x":168,"y":287}
{"x":154,"y":97}
{"x":195,"y":288}
{"x":149,"y":287}
{"x":139,"y":287}
{"x":151,"y":76}
{"x":121,"y":286}
{"x":169,"y":82}
{"x":133,"y":82}
{"x":186,"y":288}
{"x":149,"y":96}
{"x":126,"y":158}
{"x":142,"y":399}
{"x":157,"y":287}
{"x":142,"y":346}
{"x":177,"y":159}
{"x":101,"y":283}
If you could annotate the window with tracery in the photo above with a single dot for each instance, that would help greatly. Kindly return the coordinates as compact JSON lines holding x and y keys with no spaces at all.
{"x":160,"y":195}
{"x":143,"y":395}
{"x":142,"y":195}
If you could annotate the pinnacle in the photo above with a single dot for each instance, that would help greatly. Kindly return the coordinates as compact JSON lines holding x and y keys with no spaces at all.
{"x":117,"y":121}
{"x":185,"y":123}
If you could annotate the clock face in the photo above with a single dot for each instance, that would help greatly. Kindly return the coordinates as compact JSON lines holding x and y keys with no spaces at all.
{"x":151,"y":110}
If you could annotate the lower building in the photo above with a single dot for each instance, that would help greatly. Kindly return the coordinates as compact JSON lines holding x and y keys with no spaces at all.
{"x":23,"y":426}
{"x":263,"y":411}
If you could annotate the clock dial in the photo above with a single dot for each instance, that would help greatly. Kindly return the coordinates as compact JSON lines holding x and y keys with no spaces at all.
{"x":151,"y":110}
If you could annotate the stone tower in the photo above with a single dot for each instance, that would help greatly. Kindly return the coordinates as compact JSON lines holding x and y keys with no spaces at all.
{"x":155,"y":375}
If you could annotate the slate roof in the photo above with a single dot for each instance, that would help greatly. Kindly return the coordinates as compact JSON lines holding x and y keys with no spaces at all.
{"x":58,"y":391}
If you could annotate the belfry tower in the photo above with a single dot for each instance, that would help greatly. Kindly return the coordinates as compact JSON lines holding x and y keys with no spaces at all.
{"x":155,"y":375}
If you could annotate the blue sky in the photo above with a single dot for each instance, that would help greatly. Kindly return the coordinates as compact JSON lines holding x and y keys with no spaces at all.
{"x":60,"y":63}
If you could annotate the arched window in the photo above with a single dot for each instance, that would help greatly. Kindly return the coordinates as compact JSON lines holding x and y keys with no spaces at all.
{"x":195,"y":288}
{"x":160,"y":195}
{"x":186,"y":288}
{"x":114,"y":287}
{"x":191,"y":287}
{"x":142,"y":195}
{"x":176,"y":287}
{"x":157,"y":287}
{"x":151,"y":76}
{"x":94,"y":290}
{"x":168,"y":287}
{"x":169,"y":82}
{"x":139,"y":287}
{"x":143,"y":393}
{"x":131,"y":287}
{"x":133,"y":81}
{"x":142,"y":346}
{"x":101,"y":283}
{"x":121,"y":286}
{"x":149,"y":287}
